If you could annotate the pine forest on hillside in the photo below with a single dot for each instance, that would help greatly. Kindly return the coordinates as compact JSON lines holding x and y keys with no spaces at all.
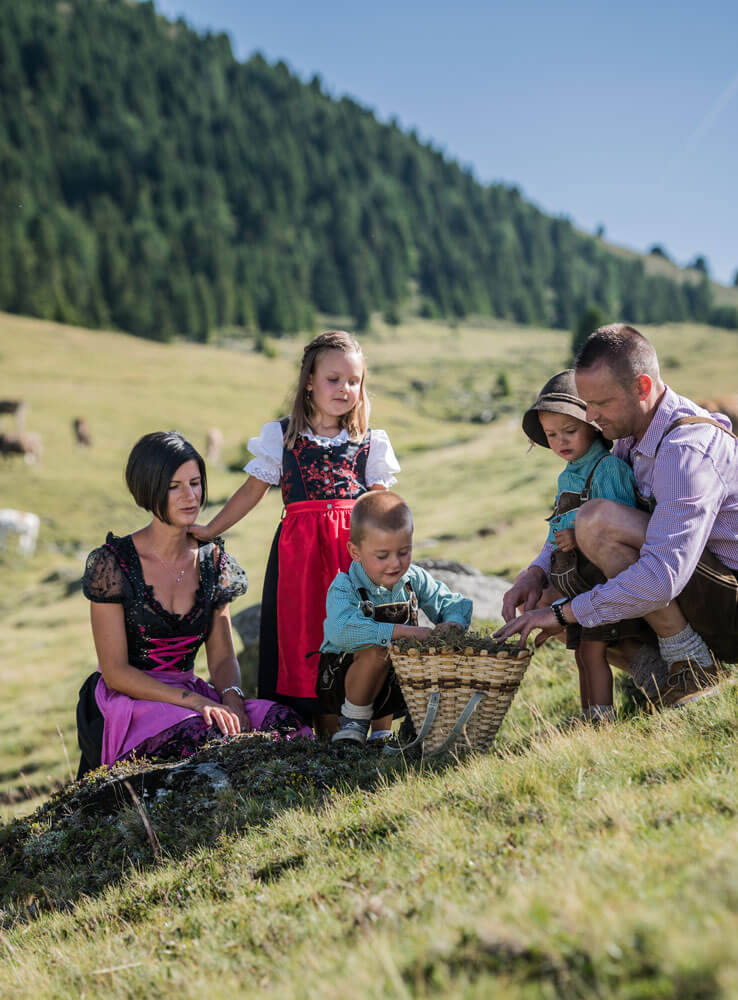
{"x":152,"y":183}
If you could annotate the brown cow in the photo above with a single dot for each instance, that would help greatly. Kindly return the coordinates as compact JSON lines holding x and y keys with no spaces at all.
{"x":17,"y":408}
{"x":82,"y":432}
{"x":28,"y":444}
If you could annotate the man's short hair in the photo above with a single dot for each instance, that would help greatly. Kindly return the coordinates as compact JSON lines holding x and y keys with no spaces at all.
{"x":379,"y":509}
{"x":623,"y":349}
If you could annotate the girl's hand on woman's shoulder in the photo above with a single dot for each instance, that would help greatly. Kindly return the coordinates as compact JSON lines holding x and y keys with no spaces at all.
{"x":201,"y":532}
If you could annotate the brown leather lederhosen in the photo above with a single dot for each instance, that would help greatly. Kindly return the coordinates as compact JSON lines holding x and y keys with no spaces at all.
{"x":572,"y":573}
{"x":709,"y":600}
{"x":332,"y":667}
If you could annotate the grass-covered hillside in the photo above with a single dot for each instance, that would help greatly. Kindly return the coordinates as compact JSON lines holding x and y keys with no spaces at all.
{"x":565,"y":863}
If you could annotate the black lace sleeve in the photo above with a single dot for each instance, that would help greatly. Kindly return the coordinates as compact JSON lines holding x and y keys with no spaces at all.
{"x":104,"y":580}
{"x":232,"y":581}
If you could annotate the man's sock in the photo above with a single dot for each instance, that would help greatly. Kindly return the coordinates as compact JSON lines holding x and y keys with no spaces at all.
{"x":649,"y":670}
{"x":686,"y":645}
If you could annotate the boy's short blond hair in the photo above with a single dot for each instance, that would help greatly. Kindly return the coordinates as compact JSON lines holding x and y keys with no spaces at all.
{"x":379,"y":509}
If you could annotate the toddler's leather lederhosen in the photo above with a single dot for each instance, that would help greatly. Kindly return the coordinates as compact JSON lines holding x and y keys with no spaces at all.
{"x":333,"y":666}
{"x":572,"y":573}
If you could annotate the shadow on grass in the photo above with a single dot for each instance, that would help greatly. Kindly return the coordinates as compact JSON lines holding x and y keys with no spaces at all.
{"x":142,"y":814}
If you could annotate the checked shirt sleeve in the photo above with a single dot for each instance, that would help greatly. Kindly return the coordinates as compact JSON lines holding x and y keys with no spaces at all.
{"x":346,"y":627}
{"x":438,"y":602}
{"x":690,"y":491}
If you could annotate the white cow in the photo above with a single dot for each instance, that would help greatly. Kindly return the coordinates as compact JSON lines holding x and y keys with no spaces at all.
{"x":22,"y":524}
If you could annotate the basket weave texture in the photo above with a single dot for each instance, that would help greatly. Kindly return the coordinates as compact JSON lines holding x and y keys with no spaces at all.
{"x":457,"y":674}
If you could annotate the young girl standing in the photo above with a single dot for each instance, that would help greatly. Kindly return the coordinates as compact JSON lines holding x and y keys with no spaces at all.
{"x":324,"y":457}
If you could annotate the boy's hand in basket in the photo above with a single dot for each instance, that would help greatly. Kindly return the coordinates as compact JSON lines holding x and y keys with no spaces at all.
{"x":448,"y":630}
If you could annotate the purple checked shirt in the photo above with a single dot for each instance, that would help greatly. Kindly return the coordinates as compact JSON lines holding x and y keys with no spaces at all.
{"x":694,"y":479}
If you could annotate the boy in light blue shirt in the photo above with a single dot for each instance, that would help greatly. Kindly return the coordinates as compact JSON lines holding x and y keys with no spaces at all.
{"x":375,"y":602}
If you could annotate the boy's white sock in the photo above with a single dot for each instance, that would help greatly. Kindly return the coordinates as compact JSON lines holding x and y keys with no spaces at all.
{"x":685,"y":645}
{"x":352,"y":711}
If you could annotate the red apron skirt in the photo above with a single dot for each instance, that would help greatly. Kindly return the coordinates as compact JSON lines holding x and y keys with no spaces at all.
{"x":312,"y":549}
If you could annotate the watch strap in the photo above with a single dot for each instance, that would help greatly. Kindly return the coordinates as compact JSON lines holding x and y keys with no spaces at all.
{"x":557,"y":608}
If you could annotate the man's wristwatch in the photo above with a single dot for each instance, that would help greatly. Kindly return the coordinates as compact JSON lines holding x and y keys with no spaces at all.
{"x":557,"y":608}
{"x":233,"y":687}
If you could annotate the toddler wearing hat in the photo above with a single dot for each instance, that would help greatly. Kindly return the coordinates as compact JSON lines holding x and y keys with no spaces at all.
{"x":558,"y":420}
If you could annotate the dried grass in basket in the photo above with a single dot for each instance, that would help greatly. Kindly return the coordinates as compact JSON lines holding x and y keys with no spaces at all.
{"x":458,"y":697}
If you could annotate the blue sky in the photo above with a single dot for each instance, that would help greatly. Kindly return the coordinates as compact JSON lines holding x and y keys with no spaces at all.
{"x":621,"y":114}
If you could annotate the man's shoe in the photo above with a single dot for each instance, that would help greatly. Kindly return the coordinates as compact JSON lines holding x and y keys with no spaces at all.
{"x":351,"y":729}
{"x":688,"y":680}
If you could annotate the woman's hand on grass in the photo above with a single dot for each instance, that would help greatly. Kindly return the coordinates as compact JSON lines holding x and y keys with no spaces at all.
{"x":235,"y":703}
{"x":216,"y":714}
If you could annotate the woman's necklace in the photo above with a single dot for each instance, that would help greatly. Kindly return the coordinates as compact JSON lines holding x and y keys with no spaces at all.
{"x":177,"y":574}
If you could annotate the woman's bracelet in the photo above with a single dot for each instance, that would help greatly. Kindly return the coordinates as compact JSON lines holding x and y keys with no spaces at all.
{"x":233,"y":687}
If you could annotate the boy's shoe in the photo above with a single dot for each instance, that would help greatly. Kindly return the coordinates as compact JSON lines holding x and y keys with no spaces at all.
{"x":351,"y":729}
{"x":380,"y":735}
{"x":687,"y":681}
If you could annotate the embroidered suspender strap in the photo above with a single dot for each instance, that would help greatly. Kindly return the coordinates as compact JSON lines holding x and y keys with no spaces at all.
{"x":682,"y":421}
{"x":569,"y":500}
{"x":367,"y":605}
{"x":584,"y":495}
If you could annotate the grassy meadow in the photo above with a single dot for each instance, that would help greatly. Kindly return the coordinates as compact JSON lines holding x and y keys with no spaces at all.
{"x":567,"y":863}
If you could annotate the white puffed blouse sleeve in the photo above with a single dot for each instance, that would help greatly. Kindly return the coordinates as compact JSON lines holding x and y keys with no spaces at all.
{"x":267,"y":451}
{"x":381,"y":463}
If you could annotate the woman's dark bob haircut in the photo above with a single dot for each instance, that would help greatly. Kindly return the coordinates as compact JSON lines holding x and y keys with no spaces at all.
{"x":151,"y":467}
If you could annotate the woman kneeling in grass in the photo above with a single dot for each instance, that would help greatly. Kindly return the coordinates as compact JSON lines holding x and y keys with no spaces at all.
{"x":157,"y":595}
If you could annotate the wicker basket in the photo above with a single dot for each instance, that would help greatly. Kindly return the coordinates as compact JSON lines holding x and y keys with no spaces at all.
{"x":458,"y":698}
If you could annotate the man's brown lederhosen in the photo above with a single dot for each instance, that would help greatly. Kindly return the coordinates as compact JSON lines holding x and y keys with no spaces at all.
{"x":709,"y":600}
{"x":332,"y":668}
{"x":572,"y":573}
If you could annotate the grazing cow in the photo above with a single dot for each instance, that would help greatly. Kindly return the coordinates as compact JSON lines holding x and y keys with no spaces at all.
{"x":213,"y":445}
{"x":27,"y":443}
{"x":724,"y":404}
{"x":22,"y":524}
{"x":82,"y":432}
{"x":16,"y":408}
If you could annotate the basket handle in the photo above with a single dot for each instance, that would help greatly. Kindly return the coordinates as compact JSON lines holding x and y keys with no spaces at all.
{"x":433,"y":703}
{"x":460,"y":722}
{"x":430,"y":715}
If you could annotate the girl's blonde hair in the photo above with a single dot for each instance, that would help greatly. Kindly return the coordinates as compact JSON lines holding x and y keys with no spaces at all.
{"x":356,"y":421}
